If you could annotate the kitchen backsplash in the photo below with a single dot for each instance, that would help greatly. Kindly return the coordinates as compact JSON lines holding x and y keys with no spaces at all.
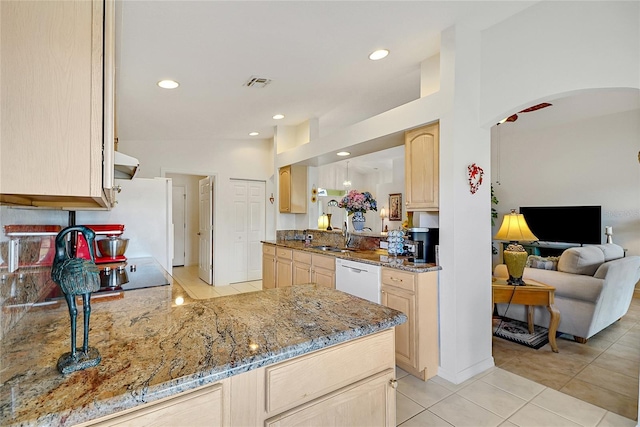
{"x":22,"y":288}
{"x":364,"y":241}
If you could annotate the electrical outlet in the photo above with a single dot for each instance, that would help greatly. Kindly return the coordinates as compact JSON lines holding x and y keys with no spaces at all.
{"x":384,"y":245}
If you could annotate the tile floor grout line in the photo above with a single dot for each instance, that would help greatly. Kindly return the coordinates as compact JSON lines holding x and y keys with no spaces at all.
{"x":564,"y":417}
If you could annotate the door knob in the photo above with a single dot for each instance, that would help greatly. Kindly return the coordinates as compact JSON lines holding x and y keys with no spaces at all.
{"x":393,"y":383}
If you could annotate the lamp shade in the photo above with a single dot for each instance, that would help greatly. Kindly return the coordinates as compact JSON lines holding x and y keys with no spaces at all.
{"x":323,"y":222}
{"x":383,"y":213}
{"x":514,"y":229}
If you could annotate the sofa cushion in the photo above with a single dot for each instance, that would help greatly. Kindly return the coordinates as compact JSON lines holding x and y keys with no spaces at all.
{"x":544,"y":263}
{"x":611,"y":251}
{"x":568,"y":285}
{"x":583,"y":260}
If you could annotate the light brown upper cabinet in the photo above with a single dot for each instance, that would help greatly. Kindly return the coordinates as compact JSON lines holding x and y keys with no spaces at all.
{"x":422,"y":172}
{"x":292,"y":183}
{"x":57,"y":57}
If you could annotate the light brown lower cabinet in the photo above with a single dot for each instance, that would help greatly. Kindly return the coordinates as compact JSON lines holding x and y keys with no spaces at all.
{"x":268,"y":266}
{"x":284,"y":267}
{"x":301,"y":267}
{"x":416,"y":295}
{"x":334,"y":386}
{"x":323,"y":271}
{"x":205,"y":406}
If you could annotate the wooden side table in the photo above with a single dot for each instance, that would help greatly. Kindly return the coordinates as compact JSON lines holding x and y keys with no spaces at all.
{"x":532,"y":294}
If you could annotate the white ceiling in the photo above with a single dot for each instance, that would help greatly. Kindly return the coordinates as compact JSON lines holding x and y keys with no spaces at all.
{"x":315,"y":52}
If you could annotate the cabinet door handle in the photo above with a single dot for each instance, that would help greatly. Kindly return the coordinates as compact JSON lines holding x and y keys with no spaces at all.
{"x":395,"y":280}
{"x":393,"y":383}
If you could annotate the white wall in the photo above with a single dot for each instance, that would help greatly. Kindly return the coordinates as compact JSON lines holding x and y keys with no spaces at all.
{"x":557,"y":47}
{"x":589,"y":162}
{"x":243,"y":159}
{"x":392,"y":185}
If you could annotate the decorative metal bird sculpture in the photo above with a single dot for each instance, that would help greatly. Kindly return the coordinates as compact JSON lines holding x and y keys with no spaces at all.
{"x":76,"y":276}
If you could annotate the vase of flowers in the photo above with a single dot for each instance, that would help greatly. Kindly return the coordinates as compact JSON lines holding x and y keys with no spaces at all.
{"x":356,"y":204}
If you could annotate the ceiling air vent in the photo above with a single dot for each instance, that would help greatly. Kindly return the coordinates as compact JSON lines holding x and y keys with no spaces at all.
{"x":258,"y":82}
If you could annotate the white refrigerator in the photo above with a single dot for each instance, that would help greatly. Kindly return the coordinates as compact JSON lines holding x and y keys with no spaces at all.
{"x":144,"y":207}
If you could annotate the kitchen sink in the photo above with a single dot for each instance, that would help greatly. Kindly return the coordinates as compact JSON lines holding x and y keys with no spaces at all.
{"x":332,"y":249}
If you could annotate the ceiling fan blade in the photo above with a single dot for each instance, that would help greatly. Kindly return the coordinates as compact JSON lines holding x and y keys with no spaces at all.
{"x":535,"y":107}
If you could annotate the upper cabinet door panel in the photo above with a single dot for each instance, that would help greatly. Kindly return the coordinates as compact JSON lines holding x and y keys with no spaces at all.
{"x":52,"y":100}
{"x":292,"y":185}
{"x":422,"y":168}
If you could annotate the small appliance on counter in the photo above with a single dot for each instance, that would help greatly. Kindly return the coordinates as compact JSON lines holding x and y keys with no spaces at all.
{"x":426,"y":240}
{"x":107,"y":252}
{"x":110,"y":258}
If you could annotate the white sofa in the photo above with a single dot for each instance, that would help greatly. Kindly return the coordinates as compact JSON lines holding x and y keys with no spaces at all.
{"x":594,"y":287}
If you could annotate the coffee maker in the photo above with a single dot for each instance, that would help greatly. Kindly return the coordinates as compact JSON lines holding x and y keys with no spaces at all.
{"x":426,"y":240}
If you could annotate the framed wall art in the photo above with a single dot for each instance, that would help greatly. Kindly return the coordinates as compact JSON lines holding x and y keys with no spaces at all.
{"x":395,"y":207}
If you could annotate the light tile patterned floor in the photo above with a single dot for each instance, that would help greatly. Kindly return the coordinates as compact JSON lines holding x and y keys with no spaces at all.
{"x":502,"y":397}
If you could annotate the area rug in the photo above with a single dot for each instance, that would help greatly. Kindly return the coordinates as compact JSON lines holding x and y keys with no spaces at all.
{"x":518,"y":332}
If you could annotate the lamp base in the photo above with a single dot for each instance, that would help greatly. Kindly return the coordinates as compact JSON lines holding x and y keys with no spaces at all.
{"x":515,"y":257}
{"x":515,"y":281}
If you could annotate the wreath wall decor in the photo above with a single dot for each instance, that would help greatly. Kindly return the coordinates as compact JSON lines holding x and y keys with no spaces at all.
{"x":475,"y":177}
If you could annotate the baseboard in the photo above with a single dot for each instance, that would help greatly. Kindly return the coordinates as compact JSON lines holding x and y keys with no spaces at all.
{"x":470,"y":372}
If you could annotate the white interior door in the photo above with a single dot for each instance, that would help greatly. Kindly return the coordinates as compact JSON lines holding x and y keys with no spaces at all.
{"x":255,"y":229}
{"x":205,"y":230}
{"x":179,"y":202}
{"x":239,"y":238}
{"x":248,"y":230}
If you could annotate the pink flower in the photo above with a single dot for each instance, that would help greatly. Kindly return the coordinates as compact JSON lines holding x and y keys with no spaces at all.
{"x":355,"y":201}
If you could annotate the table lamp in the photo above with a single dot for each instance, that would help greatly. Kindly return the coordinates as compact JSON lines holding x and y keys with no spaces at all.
{"x":514,"y":229}
{"x":383,"y":215}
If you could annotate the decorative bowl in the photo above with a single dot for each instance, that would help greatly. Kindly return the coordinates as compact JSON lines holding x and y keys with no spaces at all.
{"x":112,"y":247}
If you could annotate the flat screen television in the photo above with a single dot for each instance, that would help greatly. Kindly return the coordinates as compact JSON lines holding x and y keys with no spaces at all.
{"x":565,"y":224}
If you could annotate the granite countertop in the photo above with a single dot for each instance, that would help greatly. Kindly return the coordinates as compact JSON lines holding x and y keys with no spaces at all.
{"x":374,"y":257}
{"x":157,"y":342}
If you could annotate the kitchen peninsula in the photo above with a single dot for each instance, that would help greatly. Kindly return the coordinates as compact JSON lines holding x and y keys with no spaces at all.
{"x":266,"y":357}
{"x":393,"y":281}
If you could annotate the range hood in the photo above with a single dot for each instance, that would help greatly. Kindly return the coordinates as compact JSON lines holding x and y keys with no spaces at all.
{"x":125,"y":167}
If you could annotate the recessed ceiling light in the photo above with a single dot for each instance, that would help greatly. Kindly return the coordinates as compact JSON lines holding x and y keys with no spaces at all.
{"x":253,"y":134}
{"x":168,"y":84}
{"x":343,"y":153}
{"x":378,"y":54}
{"x":278,"y":116}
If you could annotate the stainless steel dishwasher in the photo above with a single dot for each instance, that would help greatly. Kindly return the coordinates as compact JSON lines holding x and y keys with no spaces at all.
{"x":359,"y":279}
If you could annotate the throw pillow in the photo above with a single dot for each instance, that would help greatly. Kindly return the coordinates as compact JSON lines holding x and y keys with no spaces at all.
{"x":581,"y":260}
{"x":543,"y":263}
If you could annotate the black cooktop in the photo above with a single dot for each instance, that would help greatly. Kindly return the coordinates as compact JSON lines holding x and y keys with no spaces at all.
{"x":141,"y":272}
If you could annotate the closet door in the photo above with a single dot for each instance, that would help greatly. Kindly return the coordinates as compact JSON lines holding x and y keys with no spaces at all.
{"x":248,"y":230}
